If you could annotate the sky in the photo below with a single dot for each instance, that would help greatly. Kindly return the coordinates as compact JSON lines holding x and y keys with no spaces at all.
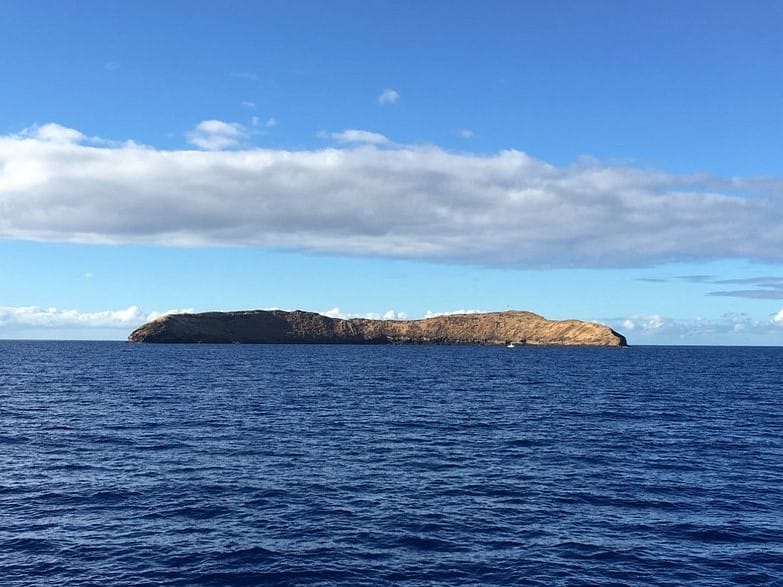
{"x":617,"y":162}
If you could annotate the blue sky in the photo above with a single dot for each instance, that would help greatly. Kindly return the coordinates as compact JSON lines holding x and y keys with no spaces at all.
{"x":615,"y":161}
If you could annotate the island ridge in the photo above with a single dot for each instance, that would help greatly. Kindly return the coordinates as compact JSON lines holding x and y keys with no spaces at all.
{"x":277,"y":326}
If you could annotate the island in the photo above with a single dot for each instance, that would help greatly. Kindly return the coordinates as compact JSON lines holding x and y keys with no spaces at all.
{"x":510,"y":328}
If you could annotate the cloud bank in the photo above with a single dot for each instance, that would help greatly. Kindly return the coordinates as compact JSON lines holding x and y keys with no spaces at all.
{"x":640,"y":329}
{"x":12,"y":317}
{"x":655,"y":327}
{"x":505,"y":209}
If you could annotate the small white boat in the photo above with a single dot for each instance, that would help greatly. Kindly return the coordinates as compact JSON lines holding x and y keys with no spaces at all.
{"x":510,"y":345}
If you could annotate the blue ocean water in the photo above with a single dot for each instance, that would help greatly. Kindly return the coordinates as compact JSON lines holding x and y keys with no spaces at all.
{"x":130,"y":464}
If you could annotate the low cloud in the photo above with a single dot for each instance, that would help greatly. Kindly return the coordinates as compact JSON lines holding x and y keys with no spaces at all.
{"x":388,"y":315}
{"x":421,"y":202}
{"x":655,"y":327}
{"x":388,"y":96}
{"x":215,"y":135}
{"x":353,"y":135}
{"x":336,"y":312}
{"x":34,"y":317}
{"x":53,"y":133}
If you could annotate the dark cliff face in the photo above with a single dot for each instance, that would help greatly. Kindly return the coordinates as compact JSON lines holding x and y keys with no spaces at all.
{"x":259,"y":326}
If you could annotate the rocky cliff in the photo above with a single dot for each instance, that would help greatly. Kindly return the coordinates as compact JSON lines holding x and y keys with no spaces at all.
{"x":260,"y":326}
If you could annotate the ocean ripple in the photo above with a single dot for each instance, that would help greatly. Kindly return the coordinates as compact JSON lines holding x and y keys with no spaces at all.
{"x":383,"y":465}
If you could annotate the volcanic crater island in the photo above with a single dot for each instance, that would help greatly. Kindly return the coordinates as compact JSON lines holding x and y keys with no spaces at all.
{"x":279,"y":327}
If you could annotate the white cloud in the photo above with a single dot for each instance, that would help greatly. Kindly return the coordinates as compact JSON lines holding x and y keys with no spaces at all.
{"x":505,"y":209}
{"x":215,"y":135}
{"x":466,"y":133}
{"x":388,"y":96}
{"x":353,"y":135}
{"x":393,"y":315}
{"x":655,"y":327}
{"x":647,"y":324}
{"x":56,"y":133}
{"x":250,"y":105}
{"x":388,"y":315}
{"x":53,"y":133}
{"x":34,"y":317}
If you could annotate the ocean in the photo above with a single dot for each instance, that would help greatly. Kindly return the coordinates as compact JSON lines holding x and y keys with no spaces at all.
{"x":127,"y":464}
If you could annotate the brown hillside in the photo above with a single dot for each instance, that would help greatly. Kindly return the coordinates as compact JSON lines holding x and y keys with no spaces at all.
{"x":260,"y":326}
